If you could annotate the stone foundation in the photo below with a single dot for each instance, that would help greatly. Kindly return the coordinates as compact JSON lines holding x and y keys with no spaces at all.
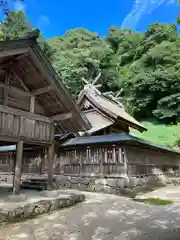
{"x":119,"y":186}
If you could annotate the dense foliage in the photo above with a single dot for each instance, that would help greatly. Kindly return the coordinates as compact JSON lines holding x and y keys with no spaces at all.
{"x":144,"y":66}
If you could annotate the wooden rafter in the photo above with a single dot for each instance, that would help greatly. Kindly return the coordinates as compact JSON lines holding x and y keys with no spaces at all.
{"x":12,"y":52}
{"x":7,"y":79}
{"x":18,"y":91}
{"x":62,"y":117}
{"x":19,"y":79}
{"x":43,"y":90}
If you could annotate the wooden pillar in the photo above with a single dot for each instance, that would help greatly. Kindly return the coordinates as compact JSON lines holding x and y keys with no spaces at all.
{"x":81,"y":160}
{"x":18,"y":166}
{"x":101,"y":162}
{"x":125,"y":163}
{"x":32,"y":104}
{"x":119,"y":155}
{"x":7,"y":79}
{"x":114,"y":154}
{"x":50,"y":166}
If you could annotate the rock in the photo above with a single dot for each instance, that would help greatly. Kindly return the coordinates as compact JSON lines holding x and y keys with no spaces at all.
{"x":28,"y":210}
{"x":112,"y":182}
{"x":128,"y":192}
{"x":126,"y":182}
{"x":85,"y":181}
{"x":74,"y":185}
{"x":132,"y":182}
{"x":17,"y":198}
{"x":120,"y":183}
{"x":141,"y":181}
{"x":91,"y":187}
{"x":99,"y":188}
{"x":75,"y":180}
{"x":68,"y":184}
{"x":3,"y":218}
{"x":110,"y":190}
{"x":101,"y":181}
{"x":82,"y":187}
{"x":50,"y":193}
{"x":42,"y":207}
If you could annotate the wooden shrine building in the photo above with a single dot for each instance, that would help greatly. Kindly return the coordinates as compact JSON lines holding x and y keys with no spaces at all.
{"x":105,"y":114}
{"x":34,"y":104}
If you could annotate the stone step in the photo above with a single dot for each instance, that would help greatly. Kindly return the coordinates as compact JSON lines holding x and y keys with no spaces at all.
{"x":38,"y":183}
{"x":34,"y":186}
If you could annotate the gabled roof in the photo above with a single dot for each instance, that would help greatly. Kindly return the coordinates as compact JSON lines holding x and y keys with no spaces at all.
{"x":112,"y":109}
{"x":28,"y":64}
{"x":97,"y":120}
{"x":114,"y":139}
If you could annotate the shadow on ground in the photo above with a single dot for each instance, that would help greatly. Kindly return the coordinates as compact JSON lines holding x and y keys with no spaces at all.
{"x":101,"y":216}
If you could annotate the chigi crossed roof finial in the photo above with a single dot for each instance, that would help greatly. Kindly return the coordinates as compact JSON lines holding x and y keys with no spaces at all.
{"x":92,"y":85}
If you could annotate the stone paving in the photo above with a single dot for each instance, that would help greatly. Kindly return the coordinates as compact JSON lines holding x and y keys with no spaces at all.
{"x":101,"y":217}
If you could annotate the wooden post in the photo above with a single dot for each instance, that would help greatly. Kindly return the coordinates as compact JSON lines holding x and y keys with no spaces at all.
{"x":105,"y":155}
{"x":101,"y":162}
{"x":125,"y":163}
{"x":7,"y":79}
{"x":32,"y":104}
{"x":81,"y":160}
{"x":114,"y":154}
{"x":50,"y":166}
{"x":17,"y":172}
{"x":50,"y":160}
{"x":120,"y":155}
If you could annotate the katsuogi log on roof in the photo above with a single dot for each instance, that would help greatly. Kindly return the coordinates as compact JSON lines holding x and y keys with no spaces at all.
{"x":27,"y":74}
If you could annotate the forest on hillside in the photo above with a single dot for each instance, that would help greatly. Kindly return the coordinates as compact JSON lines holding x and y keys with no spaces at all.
{"x":143,"y":66}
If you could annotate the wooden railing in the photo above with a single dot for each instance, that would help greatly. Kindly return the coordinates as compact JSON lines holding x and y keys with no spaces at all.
{"x":20,"y":124}
{"x":91,"y":161}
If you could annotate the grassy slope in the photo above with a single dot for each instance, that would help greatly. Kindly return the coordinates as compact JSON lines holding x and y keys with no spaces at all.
{"x":166,"y":135}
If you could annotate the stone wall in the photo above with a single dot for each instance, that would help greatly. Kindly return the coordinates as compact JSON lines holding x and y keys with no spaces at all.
{"x":119,"y":186}
{"x":35,"y":206}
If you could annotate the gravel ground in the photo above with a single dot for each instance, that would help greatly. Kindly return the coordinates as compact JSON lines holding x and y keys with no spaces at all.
{"x":101,"y":217}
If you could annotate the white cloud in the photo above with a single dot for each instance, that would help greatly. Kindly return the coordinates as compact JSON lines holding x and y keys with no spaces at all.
{"x":141,"y":7}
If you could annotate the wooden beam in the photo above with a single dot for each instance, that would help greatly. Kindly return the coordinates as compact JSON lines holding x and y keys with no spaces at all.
{"x":32,"y":104}
{"x":17,"y":172}
{"x":22,"y":56}
{"x":15,"y":90}
{"x":7,"y":79}
{"x":43,"y":90}
{"x":12,"y":52}
{"x":17,"y":112}
{"x":19,"y":79}
{"x":62,"y":117}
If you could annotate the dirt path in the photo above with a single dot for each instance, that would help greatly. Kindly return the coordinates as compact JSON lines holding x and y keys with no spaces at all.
{"x":101,"y":217}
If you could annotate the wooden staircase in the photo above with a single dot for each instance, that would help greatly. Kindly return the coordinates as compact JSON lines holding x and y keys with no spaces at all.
{"x":36,"y":183}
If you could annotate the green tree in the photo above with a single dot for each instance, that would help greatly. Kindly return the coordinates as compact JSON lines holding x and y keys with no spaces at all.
{"x":16,"y":25}
{"x":80,"y":53}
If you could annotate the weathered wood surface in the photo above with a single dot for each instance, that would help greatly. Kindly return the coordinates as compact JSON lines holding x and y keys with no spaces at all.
{"x":91,"y":162}
{"x":112,"y":161}
{"x":26,"y":125}
{"x":18,"y":167}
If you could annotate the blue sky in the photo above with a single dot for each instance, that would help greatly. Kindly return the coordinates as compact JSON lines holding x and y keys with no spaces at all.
{"x":55,"y":17}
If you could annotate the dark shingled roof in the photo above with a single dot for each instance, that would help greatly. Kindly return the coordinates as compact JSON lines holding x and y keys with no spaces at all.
{"x":114,"y":138}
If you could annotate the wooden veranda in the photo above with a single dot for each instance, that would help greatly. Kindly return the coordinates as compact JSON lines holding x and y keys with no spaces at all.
{"x":34,"y":104}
